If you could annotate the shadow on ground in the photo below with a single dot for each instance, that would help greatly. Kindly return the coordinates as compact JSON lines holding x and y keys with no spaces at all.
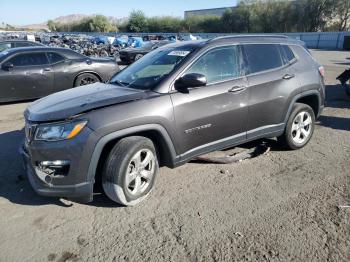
{"x":336,"y":97}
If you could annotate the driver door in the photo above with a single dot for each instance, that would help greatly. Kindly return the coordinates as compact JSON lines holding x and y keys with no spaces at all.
{"x":30,"y":77}
{"x":213,"y":116}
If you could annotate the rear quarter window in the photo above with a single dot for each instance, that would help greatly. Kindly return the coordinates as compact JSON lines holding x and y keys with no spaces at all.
{"x":55,"y":58}
{"x":262,"y":57}
{"x":287,"y":54}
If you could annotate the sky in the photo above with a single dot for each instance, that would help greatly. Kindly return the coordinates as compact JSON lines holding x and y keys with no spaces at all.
{"x":24,"y":12}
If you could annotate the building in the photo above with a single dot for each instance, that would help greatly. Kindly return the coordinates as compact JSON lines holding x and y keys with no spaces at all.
{"x":214,"y":11}
{"x":207,"y":12}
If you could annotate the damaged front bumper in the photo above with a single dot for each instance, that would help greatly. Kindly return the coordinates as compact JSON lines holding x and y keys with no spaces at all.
{"x":48,"y":178}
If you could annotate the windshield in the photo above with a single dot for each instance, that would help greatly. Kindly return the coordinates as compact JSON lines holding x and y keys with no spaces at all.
{"x":147,"y":72}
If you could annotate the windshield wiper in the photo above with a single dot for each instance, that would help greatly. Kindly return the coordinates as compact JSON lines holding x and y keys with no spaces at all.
{"x":120,"y":83}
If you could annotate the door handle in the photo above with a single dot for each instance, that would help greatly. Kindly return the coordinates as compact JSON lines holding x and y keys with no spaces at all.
{"x":288,"y":76}
{"x":236,"y":89}
{"x":47,"y":69}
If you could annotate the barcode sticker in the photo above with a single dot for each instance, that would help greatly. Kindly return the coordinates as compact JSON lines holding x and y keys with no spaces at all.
{"x":179,"y":53}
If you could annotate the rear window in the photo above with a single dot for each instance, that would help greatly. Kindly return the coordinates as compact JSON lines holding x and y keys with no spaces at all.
{"x":288,"y":54}
{"x":262,"y":57}
{"x":29,"y":59}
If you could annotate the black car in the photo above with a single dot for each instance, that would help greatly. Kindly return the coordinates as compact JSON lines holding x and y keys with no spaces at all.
{"x":131,"y":54}
{"x":33,"y":72}
{"x":4,"y":45}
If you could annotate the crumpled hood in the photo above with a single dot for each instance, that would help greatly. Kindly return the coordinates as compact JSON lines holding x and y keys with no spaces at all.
{"x":65,"y":104}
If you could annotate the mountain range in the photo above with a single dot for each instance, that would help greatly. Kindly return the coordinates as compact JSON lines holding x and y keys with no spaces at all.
{"x":70,"y":19}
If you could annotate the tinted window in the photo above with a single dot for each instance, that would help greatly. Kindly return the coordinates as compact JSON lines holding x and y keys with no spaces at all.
{"x":287,"y":54}
{"x":23,"y":44}
{"x":55,"y":58}
{"x":261,"y":57}
{"x":29,"y":59}
{"x":218,"y":64}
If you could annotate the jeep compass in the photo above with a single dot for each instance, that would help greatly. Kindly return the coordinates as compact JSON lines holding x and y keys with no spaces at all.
{"x":177,"y":102}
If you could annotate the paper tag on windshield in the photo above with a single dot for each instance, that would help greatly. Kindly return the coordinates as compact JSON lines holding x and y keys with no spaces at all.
{"x":179,"y":53}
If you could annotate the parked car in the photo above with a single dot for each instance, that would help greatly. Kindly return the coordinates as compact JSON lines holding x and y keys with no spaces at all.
{"x":33,"y":72}
{"x":4,"y":45}
{"x":179,"y":101}
{"x":131,"y":54}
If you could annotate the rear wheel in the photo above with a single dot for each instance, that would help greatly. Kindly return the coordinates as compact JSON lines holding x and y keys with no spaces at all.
{"x":300,"y":127}
{"x":130,"y":170}
{"x":86,"y":79}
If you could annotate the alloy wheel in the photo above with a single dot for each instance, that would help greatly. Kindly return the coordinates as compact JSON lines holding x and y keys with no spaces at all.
{"x":301,"y":127}
{"x":140,"y":172}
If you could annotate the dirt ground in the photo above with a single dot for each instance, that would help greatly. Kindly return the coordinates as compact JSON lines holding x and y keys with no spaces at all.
{"x":282,"y":206}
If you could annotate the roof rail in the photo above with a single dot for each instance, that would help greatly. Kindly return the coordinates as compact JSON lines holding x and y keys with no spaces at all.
{"x":252,"y":35}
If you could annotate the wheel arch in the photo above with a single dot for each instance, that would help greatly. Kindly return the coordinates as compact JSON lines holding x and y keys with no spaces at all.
{"x":311,"y":98}
{"x":87,"y":72}
{"x":159,"y":136}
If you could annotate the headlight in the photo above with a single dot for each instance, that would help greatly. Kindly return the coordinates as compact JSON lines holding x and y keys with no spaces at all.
{"x":59,"y":131}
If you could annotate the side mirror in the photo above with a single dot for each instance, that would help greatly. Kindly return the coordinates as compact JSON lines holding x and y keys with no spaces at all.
{"x":190,"y":80}
{"x":7,"y":66}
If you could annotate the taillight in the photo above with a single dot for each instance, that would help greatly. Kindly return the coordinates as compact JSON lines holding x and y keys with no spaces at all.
{"x":321,"y":71}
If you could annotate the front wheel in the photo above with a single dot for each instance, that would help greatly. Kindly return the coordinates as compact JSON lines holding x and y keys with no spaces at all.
{"x":347,"y":88}
{"x":138,"y":56}
{"x":299,"y":128}
{"x":130,"y":170}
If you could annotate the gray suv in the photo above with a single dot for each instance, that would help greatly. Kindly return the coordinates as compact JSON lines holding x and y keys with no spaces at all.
{"x":177,"y":102}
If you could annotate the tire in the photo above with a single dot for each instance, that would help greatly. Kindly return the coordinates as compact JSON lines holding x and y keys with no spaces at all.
{"x":297,"y":134}
{"x":124,"y":180}
{"x":347,"y":89}
{"x":86,"y":79}
{"x":138,"y":56}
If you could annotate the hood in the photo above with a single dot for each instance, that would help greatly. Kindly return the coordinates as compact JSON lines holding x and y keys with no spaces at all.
{"x":62,"y":105}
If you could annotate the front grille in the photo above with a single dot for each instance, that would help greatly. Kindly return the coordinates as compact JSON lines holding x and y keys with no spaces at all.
{"x":29,"y":131}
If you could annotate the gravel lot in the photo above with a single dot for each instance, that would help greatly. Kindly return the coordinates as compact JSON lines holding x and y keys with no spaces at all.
{"x":282,"y":206}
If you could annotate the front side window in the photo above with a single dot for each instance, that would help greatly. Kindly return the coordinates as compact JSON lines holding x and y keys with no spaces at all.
{"x":55,"y":58}
{"x":29,"y":59}
{"x":262,"y":57}
{"x":218,"y":65}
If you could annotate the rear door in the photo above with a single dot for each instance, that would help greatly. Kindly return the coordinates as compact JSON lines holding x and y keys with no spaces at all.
{"x":31,"y":76}
{"x":271,"y":83}
{"x":217,"y":111}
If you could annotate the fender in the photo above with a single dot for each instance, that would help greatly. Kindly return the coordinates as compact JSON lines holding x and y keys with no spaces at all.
{"x":128,"y":131}
{"x":301,"y":95}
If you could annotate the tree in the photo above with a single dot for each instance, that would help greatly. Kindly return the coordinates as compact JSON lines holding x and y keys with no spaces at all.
{"x":313,"y":14}
{"x":137,"y":22}
{"x":341,"y":15}
{"x":52,"y":25}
